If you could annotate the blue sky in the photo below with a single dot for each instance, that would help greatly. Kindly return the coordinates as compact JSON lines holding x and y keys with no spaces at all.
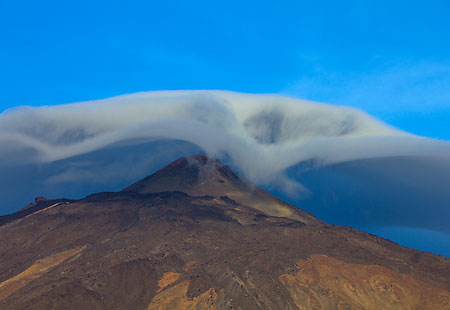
{"x":389,"y":58}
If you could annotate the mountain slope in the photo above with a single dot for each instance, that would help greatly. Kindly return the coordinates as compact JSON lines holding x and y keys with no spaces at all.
{"x":187,"y":248}
{"x":198,"y":176}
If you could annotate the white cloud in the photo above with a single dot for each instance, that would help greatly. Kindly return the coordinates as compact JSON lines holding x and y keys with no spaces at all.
{"x":262,"y":135}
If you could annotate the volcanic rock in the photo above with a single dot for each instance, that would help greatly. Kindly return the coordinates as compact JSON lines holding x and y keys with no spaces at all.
{"x":196,"y":235}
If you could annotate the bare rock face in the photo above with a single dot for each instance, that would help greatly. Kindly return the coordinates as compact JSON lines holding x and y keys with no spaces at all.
{"x":200,"y":176}
{"x":196,"y":235}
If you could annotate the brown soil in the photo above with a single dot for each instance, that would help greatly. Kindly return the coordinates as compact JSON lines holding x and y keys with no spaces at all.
{"x":174,"y":250}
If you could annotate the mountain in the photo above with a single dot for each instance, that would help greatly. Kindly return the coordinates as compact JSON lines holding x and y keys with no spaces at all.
{"x":198,"y":176}
{"x":196,"y":235}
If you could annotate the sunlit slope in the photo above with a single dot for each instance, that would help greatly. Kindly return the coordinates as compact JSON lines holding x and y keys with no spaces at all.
{"x":199,"y":176}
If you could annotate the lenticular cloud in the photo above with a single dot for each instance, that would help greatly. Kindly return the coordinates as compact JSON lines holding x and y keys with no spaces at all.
{"x":262,"y":135}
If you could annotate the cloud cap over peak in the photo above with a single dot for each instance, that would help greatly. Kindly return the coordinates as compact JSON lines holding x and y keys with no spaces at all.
{"x":336,"y":162}
{"x":261,"y":134}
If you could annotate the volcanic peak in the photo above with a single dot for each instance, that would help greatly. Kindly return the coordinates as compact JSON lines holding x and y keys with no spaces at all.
{"x":199,"y":175}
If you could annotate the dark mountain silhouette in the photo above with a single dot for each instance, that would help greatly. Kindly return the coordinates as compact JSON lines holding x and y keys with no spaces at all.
{"x":195,"y":235}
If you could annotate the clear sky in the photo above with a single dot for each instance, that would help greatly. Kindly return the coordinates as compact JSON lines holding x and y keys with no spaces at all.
{"x":389,"y":58}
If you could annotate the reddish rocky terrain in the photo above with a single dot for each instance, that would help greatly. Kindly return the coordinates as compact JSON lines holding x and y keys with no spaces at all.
{"x":195,"y":235}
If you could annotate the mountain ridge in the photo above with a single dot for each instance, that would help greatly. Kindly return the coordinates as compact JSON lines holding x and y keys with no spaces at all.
{"x":175,"y":250}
